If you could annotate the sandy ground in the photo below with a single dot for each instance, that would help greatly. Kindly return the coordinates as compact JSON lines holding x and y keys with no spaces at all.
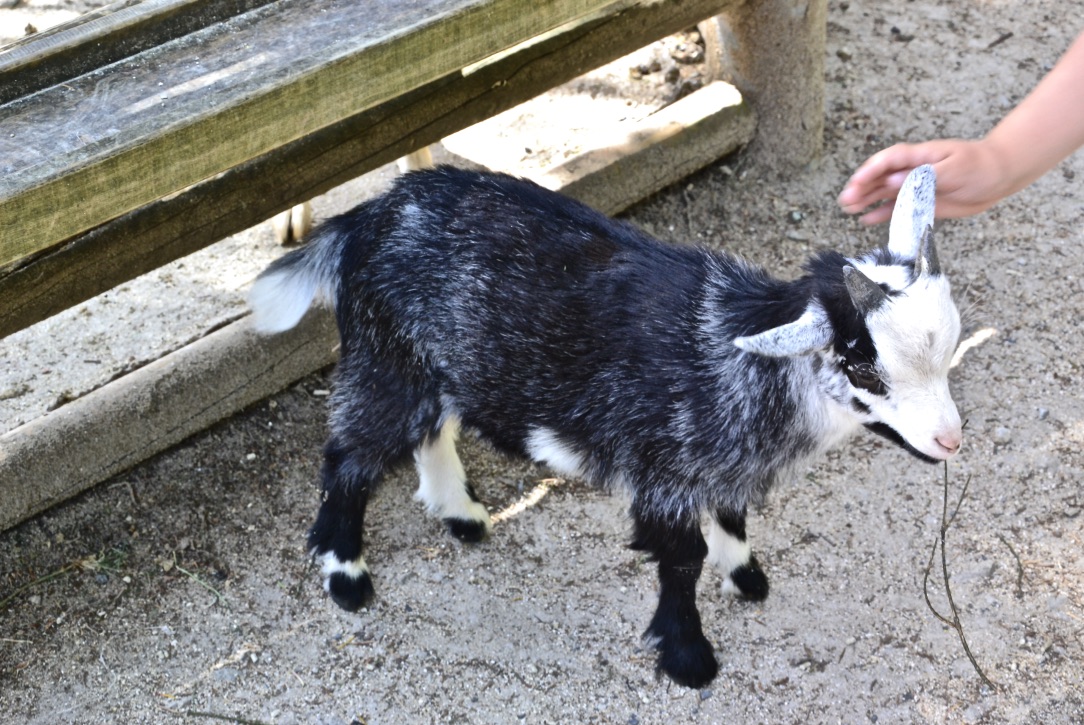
{"x":181,"y":590}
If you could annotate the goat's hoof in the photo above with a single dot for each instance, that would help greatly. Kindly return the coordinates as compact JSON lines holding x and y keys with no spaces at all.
{"x":689,"y":663}
{"x":468,"y":530}
{"x":349,"y":592}
{"x":748,"y":581}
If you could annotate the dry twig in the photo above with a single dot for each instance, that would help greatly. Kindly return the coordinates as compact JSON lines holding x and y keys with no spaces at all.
{"x":1019,"y":567}
{"x":196,"y":578}
{"x":227,"y":718}
{"x":954,"y":622}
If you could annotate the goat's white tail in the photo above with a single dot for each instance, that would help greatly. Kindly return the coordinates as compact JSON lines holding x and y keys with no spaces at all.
{"x":283,"y":292}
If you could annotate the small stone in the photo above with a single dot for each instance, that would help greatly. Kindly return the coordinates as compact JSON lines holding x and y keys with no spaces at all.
{"x":1002,"y":435}
{"x":1043,"y":413}
{"x":225,"y":674}
{"x":844,"y":54}
{"x":705,"y":694}
{"x":901,"y":37}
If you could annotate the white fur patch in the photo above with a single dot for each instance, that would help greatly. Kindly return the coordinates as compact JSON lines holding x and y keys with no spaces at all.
{"x":726,"y":553}
{"x":442,"y":482}
{"x":545,"y":447}
{"x":330,"y":564}
{"x":279,"y":300}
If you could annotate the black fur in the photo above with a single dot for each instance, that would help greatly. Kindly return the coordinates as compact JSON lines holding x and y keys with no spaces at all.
{"x":892,"y":435}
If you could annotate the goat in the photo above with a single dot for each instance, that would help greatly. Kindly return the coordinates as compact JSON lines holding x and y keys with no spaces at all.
{"x":687,"y":376}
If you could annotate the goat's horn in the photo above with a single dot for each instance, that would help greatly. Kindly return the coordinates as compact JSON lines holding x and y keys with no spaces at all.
{"x":866,"y":294}
{"x":926,"y":262}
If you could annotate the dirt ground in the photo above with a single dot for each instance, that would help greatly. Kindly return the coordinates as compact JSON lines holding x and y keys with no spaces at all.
{"x":181,"y":591}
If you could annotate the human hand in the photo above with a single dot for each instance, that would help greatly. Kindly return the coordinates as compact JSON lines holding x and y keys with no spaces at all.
{"x":969,"y":178}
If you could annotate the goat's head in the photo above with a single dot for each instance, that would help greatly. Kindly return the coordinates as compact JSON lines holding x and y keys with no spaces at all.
{"x":883,"y":330}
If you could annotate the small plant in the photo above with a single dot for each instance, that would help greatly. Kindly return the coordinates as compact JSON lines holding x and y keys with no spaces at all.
{"x":109,"y":561}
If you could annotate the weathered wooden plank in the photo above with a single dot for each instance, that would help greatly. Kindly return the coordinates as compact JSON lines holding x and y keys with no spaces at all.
{"x":103,"y":36}
{"x":152,"y":124}
{"x":169,"y":229}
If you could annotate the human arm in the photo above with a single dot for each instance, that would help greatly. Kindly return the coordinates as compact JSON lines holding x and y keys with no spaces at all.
{"x":972,"y":176}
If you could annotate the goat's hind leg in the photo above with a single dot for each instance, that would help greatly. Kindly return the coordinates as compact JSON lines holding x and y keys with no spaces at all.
{"x":685,"y":654}
{"x":731,"y":554}
{"x":443,"y":485}
{"x":336,"y":537}
{"x":377,"y":419}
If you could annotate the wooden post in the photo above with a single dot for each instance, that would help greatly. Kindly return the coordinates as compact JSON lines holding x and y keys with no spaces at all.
{"x":773,"y":51}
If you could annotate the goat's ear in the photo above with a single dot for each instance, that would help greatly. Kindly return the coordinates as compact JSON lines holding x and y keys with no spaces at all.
{"x":808,"y":333}
{"x":910,"y":234}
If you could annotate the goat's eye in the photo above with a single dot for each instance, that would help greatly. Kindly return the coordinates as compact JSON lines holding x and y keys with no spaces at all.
{"x":862,"y":375}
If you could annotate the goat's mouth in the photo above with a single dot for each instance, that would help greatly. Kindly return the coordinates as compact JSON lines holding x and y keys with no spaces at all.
{"x":887,"y":431}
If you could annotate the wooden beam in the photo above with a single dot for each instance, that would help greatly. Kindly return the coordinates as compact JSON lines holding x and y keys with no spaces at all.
{"x":169,"y":229}
{"x":100,"y":145}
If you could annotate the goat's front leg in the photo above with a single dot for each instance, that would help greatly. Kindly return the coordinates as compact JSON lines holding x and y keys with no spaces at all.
{"x":685,"y":654}
{"x":729,"y":551}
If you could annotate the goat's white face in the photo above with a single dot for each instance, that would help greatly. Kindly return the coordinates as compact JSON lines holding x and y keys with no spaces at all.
{"x":889,"y":366}
{"x":903,"y":393}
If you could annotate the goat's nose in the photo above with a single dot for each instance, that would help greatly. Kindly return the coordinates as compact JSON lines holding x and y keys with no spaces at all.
{"x":951,"y":441}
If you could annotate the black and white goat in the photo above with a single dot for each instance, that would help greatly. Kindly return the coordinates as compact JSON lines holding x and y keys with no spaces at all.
{"x":686,"y":376}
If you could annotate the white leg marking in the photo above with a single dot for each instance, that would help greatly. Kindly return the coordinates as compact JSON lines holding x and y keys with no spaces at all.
{"x":727,"y":552}
{"x":442,"y":482}
{"x":330,"y":564}
{"x":544,"y":446}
